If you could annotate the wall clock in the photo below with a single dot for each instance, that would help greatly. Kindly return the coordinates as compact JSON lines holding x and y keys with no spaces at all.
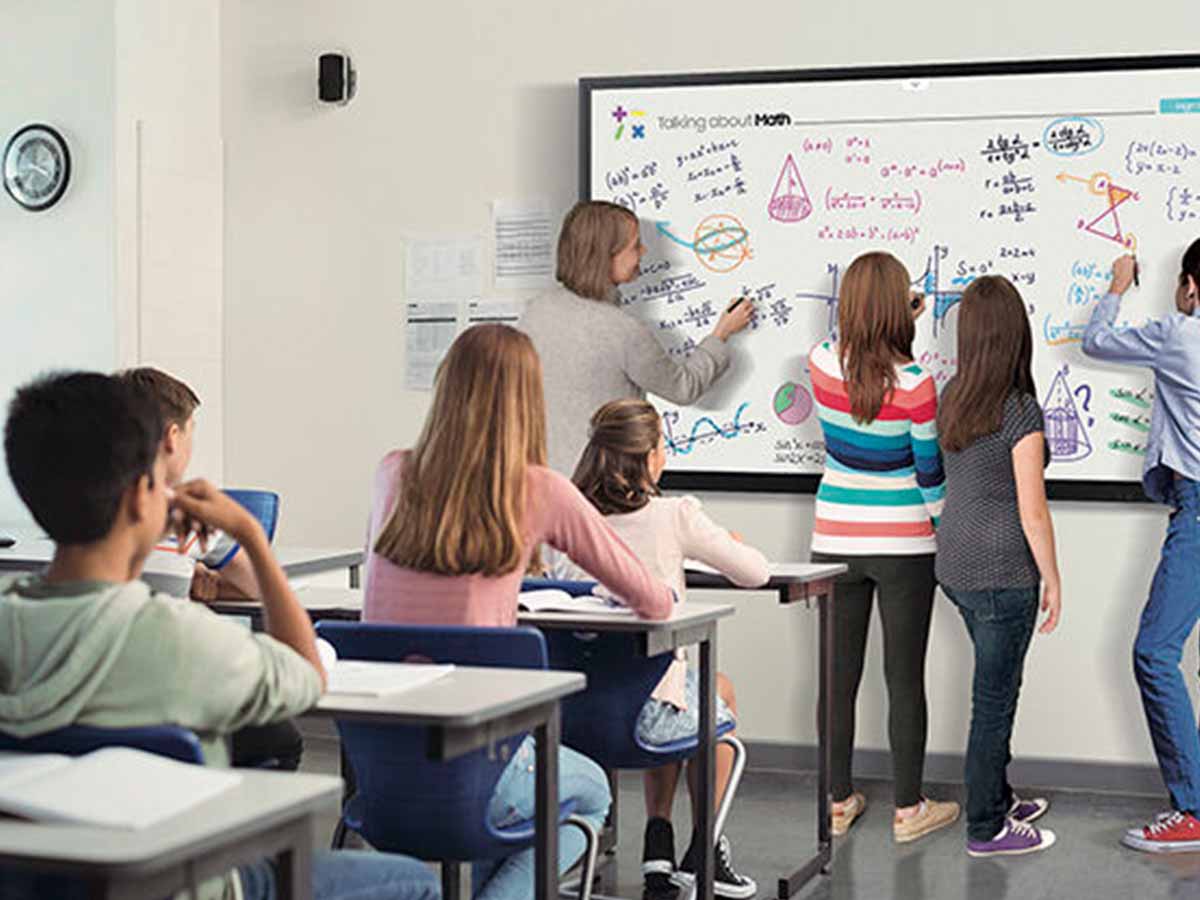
{"x":37,"y":167}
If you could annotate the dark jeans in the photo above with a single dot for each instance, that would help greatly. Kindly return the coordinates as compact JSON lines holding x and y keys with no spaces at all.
{"x":1000,"y":623}
{"x":278,"y":744}
{"x":905,"y":587}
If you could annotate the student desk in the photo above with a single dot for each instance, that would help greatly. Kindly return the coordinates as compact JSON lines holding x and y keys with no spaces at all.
{"x":794,"y":582}
{"x":339,"y":604}
{"x":470,"y":708}
{"x":693,"y":622}
{"x":267,"y":814}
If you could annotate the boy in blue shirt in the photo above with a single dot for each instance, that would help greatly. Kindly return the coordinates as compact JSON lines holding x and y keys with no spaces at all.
{"x":1170,"y":348}
{"x":87,"y":642}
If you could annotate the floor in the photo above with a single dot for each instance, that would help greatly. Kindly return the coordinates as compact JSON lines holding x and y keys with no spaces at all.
{"x":772,"y":827}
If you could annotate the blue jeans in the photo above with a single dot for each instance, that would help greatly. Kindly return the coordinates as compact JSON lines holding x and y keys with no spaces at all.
{"x":351,"y":875}
{"x":579,"y":779}
{"x":1167,"y":621}
{"x":1000,"y":623}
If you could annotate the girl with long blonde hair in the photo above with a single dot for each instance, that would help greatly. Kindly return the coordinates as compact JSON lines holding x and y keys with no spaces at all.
{"x":878,"y":503}
{"x":455,"y":524}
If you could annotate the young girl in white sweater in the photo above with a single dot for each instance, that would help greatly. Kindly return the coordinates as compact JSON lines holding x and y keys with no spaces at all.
{"x":618,"y":472}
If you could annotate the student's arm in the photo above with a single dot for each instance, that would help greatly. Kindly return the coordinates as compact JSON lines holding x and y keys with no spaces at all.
{"x":704,"y":540}
{"x":681,"y":381}
{"x":237,"y":577}
{"x":284,"y":618}
{"x":573,"y":525}
{"x":1139,"y":346}
{"x":1029,"y":470}
{"x":927,"y":455}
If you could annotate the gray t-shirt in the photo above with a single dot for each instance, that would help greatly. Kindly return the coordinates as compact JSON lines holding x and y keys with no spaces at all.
{"x":981,"y":545}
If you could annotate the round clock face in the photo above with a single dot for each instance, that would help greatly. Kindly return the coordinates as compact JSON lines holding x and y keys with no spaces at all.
{"x":37,"y":166}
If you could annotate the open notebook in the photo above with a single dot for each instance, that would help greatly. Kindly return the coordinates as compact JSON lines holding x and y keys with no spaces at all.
{"x":554,"y":600}
{"x":117,"y":787}
{"x":364,"y":678}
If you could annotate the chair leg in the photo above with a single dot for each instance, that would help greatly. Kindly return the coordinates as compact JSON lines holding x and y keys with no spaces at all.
{"x":339,"y":835}
{"x":735,"y":778}
{"x":451,"y":879}
{"x":587,"y":872}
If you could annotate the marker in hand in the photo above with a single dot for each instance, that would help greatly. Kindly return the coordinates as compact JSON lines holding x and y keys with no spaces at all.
{"x":735,"y":304}
{"x":1136,"y":282}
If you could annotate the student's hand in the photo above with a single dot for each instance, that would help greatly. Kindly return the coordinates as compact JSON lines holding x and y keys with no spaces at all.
{"x":199,"y":506}
{"x":1122,"y":276}
{"x":734,"y":320}
{"x":917,"y":302}
{"x":205,"y":584}
{"x":1052,"y":606}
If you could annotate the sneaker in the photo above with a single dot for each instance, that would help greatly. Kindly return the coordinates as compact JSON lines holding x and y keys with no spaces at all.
{"x":1178,"y":832}
{"x":932,"y":815}
{"x":841,"y":819}
{"x":1015,"y":838}
{"x":1028,"y":810}
{"x":658,"y":861}
{"x":727,"y":882}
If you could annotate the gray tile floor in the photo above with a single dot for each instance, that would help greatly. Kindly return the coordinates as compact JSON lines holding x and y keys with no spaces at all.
{"x":772,"y":827}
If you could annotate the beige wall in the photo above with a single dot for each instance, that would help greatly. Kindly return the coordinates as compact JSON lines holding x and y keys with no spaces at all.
{"x":463,"y":102}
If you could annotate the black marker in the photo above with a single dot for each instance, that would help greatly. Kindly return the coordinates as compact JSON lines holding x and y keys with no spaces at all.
{"x":1136,"y":283}
{"x":736,"y":303}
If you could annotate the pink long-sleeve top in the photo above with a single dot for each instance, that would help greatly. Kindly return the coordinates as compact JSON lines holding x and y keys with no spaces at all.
{"x":557,"y":514}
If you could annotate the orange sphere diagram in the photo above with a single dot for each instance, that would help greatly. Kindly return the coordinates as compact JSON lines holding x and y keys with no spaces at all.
{"x":721,"y":243}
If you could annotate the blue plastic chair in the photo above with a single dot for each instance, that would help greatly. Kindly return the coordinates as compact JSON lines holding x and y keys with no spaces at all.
{"x":75,"y":740}
{"x":264,"y":506}
{"x":601,"y":721}
{"x":436,"y":811}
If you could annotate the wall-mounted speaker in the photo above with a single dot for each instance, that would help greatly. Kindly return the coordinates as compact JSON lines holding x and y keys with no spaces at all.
{"x":336,"y":78}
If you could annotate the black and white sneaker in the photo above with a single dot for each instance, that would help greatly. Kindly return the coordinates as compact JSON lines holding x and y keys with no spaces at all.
{"x":658,"y":861}
{"x":727,"y":882}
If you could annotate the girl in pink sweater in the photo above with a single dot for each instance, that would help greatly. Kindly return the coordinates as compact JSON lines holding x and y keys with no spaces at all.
{"x":456,"y":522}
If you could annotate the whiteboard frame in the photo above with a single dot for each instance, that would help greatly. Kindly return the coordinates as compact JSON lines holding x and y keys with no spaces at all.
{"x":775,"y":483}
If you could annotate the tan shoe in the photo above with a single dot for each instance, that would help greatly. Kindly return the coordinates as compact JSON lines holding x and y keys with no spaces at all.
{"x":841,"y":820}
{"x":932,"y":815}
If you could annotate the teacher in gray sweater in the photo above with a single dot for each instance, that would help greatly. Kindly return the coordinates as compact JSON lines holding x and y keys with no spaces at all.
{"x":592,"y":351}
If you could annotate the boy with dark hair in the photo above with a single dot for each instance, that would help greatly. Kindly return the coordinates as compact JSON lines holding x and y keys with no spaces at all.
{"x":86,"y":642}
{"x":279,"y":743}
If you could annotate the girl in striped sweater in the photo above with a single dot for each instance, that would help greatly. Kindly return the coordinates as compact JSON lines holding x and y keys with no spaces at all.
{"x":878,"y":504}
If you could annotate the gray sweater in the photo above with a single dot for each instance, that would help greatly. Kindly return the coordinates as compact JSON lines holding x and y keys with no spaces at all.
{"x":593,"y":352}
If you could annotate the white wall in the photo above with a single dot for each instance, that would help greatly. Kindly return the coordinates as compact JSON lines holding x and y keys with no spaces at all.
{"x":57,"y":306}
{"x":462,"y":102}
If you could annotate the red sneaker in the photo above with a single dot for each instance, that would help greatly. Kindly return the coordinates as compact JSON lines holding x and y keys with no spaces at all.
{"x":1177,"y":832}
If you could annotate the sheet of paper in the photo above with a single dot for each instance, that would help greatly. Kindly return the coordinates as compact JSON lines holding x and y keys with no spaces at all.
{"x":553,"y":600}
{"x":430,"y":328}
{"x":504,"y":310}
{"x":363,"y":678}
{"x":443,"y":268}
{"x":524,"y":243}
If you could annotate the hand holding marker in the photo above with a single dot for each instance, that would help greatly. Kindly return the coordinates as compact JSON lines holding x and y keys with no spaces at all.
{"x":736,"y":317}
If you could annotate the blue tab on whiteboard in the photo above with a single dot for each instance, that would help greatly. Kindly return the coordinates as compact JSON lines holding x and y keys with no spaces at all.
{"x":1179,"y":105}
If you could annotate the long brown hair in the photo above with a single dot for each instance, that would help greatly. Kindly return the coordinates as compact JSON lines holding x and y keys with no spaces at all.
{"x":614,"y":469}
{"x":461,"y":505}
{"x":875,"y":330}
{"x":995,"y":353}
{"x":593,"y":232}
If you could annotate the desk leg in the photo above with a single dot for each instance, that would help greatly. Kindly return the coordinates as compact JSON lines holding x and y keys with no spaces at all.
{"x":546,"y":807}
{"x":821,"y":862}
{"x":354,"y":577}
{"x":451,"y":880}
{"x":707,"y":763}
{"x":293,"y":866}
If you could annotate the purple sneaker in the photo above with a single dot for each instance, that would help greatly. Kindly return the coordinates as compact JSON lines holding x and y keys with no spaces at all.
{"x":1028,"y":810}
{"x":1014,"y":839}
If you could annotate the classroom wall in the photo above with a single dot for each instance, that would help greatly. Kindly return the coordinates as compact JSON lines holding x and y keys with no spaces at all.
{"x":57,"y":305}
{"x":466,"y":102}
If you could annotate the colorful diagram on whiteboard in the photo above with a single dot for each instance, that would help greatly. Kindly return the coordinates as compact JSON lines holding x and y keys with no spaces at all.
{"x":721,"y":243}
{"x":1107,"y":225}
{"x":1066,"y":433}
{"x":789,"y":200}
{"x":793,"y":403}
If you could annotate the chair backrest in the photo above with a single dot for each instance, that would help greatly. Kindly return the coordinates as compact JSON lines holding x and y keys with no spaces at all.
{"x":75,"y":740}
{"x":263,"y":505}
{"x":574,"y":588}
{"x":601,"y":722}
{"x":404,"y":802}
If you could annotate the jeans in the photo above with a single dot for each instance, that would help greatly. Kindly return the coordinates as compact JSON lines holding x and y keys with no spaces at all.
{"x":1000,"y":623}
{"x":579,"y":779}
{"x":905,"y":585}
{"x":351,"y":875}
{"x":1168,"y":619}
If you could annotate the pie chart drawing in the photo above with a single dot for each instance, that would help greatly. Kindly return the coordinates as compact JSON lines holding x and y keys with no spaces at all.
{"x":793,"y":403}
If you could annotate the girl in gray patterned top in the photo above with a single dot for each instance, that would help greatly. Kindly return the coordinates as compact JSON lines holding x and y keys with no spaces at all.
{"x":995,"y":546}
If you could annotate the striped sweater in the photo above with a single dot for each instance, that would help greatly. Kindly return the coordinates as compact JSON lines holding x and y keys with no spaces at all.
{"x":883,"y":486}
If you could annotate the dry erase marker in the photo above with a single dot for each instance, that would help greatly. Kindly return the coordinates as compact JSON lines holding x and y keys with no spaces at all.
{"x":736,"y":303}
{"x":1136,"y":283}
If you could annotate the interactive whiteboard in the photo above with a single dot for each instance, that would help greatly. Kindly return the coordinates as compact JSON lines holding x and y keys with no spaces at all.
{"x":769,"y":184}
